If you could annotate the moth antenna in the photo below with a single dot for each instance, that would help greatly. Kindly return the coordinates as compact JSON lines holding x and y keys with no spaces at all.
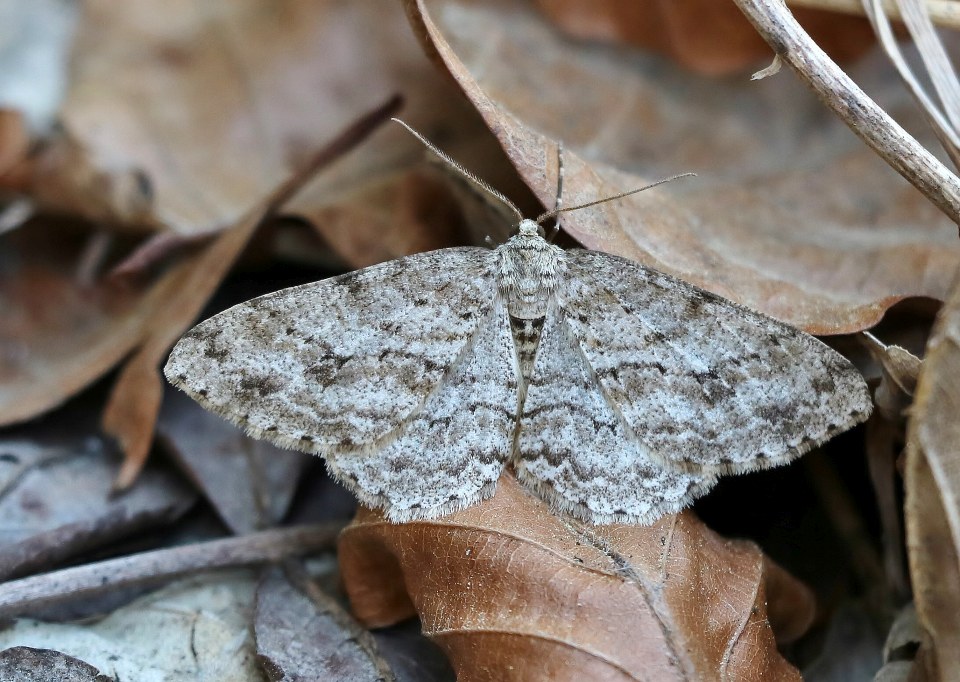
{"x":558,"y":204}
{"x":550,"y":214}
{"x":460,"y":169}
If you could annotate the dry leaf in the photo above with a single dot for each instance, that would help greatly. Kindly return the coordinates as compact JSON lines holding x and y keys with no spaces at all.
{"x":181,"y":118}
{"x":512,"y":592}
{"x":790,"y":215}
{"x":46,"y":665}
{"x":250,"y":483}
{"x":898,"y":381}
{"x":703,"y":35}
{"x":193,"y":629}
{"x":884,"y":439}
{"x":883,"y":442}
{"x":303,"y":634}
{"x":932,"y":504}
{"x":59,"y":333}
{"x":411,"y":213}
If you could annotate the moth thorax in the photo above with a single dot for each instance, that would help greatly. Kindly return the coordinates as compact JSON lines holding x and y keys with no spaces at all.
{"x":529,"y":270}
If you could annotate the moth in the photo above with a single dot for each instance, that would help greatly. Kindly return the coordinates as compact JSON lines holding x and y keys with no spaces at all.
{"x":615,"y":392}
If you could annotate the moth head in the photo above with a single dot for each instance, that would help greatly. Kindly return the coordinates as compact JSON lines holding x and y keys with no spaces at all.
{"x":529,"y":228}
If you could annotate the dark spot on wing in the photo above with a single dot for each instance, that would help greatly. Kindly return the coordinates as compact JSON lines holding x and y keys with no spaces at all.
{"x":616,"y":371}
{"x":824,"y":384}
{"x":714,"y":388}
{"x":325,"y":370}
{"x":706,"y":376}
{"x":351,"y":281}
{"x":259,"y":385}
{"x":209,"y":337}
{"x":777,"y":414}
{"x":218,"y":354}
{"x":699,"y":300}
{"x":203,"y":333}
{"x":426,"y":363}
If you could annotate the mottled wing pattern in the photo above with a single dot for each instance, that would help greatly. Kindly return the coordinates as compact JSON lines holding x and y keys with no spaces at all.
{"x":578,"y":454}
{"x":451,"y":453}
{"x":340,"y":364}
{"x":705,"y":384}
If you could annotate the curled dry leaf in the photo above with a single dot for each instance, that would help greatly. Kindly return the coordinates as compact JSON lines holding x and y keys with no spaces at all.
{"x":884,"y":439}
{"x":899,"y":372}
{"x":932,"y":483}
{"x":512,"y":592}
{"x":708,"y":37}
{"x":904,"y":638}
{"x":773,"y":221}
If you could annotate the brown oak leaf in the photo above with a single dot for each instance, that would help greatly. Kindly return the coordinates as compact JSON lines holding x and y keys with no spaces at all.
{"x":513,"y":592}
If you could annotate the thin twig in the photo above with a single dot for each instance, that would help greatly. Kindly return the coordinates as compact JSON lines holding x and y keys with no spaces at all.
{"x":944,"y":13}
{"x":873,"y":125}
{"x":26,"y":594}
